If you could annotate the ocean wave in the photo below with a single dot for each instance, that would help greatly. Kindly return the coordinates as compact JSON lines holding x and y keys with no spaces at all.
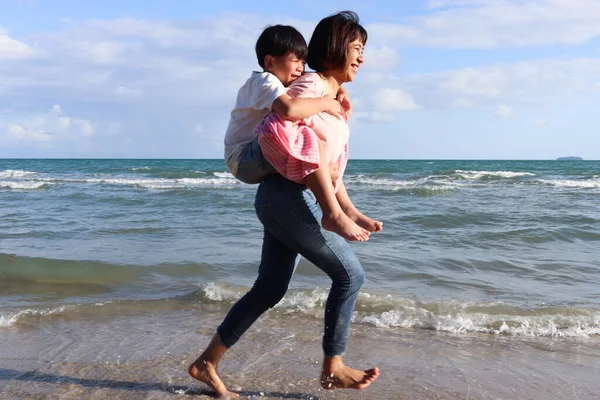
{"x":428,"y":186}
{"x":493,"y":318}
{"x":158,"y":183}
{"x":386,"y":311}
{"x":15,"y":173}
{"x":24,"y":185}
{"x":383,"y":311}
{"x":55,"y":271}
{"x":572,"y":184}
{"x":478,"y":175}
{"x":365,"y":180}
{"x":52,"y":271}
{"x":162,"y":183}
{"x":8,"y":319}
{"x":223,"y":175}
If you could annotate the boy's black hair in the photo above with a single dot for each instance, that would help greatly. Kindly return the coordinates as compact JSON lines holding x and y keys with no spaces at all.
{"x":329,"y":43}
{"x":279,"y":40}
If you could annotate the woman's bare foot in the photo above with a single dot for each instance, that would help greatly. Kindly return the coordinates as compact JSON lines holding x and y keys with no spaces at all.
{"x":206,"y":372}
{"x":342,"y":225}
{"x":342,"y":377}
{"x":365,"y":222}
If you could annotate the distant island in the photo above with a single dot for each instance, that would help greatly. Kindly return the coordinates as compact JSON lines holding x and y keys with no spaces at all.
{"x":569,"y":159}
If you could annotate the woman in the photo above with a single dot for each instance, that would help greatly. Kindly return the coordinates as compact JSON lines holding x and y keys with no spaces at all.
{"x":290,"y":216}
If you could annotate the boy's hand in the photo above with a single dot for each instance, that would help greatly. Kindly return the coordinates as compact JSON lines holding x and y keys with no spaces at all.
{"x":332,"y":106}
{"x":344,"y":100}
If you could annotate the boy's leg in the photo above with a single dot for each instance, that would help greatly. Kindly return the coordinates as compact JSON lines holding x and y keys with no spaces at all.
{"x":361,"y":220}
{"x":253,"y":167}
{"x":334,"y":218}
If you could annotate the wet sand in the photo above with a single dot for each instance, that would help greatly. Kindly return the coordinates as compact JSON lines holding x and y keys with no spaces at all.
{"x":145,"y":356}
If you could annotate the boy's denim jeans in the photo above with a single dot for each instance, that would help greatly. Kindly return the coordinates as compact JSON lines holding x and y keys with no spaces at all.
{"x":253,"y":166}
{"x":291,"y":219}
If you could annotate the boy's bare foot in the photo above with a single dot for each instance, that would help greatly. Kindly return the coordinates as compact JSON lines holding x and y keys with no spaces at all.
{"x":206,"y":372}
{"x":365,"y":222}
{"x":344,"y":377}
{"x":342,"y":225}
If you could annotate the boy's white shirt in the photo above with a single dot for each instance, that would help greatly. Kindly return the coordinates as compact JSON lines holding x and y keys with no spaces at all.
{"x":254,"y":101}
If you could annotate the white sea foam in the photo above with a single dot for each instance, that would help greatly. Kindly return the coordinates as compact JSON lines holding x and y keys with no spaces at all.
{"x":156,"y":183}
{"x":575,"y":184}
{"x":476,"y":175}
{"x":215,"y":292}
{"x":22,"y":185}
{"x":141,"y":169}
{"x":10,"y":319}
{"x":431,"y":184}
{"x":386,"y":311}
{"x":223,"y":175}
{"x":364,"y":180}
{"x":304,"y":301}
{"x":533,"y":326}
{"x":15,"y":173}
{"x":204,"y":181}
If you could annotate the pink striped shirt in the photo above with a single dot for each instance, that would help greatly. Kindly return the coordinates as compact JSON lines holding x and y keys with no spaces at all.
{"x":293,"y":149}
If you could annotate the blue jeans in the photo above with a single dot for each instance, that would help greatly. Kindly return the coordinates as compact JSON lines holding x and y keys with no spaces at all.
{"x":253,"y":166}
{"x":292,"y":225}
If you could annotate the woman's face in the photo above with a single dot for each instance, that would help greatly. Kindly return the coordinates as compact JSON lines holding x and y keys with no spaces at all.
{"x":354,"y":58}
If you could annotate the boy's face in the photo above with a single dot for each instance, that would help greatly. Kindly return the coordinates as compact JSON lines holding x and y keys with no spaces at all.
{"x":287,"y":68}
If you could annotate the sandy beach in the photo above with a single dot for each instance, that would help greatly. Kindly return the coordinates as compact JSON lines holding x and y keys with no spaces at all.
{"x":145,"y":357}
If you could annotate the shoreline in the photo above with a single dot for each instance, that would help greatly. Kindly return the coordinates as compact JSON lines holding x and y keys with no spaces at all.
{"x":145,"y":356}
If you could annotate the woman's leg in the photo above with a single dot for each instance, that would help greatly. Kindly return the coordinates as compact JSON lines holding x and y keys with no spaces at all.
{"x":299,"y":217}
{"x":277,"y":266}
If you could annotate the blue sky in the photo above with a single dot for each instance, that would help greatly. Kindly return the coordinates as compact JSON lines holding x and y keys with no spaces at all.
{"x":443,"y":79}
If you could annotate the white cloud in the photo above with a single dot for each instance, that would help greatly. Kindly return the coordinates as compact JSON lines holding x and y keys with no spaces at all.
{"x":374,"y":116}
{"x":540,"y":122}
{"x":31,"y":131}
{"x":497,"y":23}
{"x":46,"y":127}
{"x":389,"y":99}
{"x":84,"y":126}
{"x":194,"y":68}
{"x":27,"y":133}
{"x":461,"y":102}
{"x":382,"y":58}
{"x":127,"y":92}
{"x":536,"y":81}
{"x":64,"y":123}
{"x":56,"y":109}
{"x":505,"y":111}
{"x":11,"y":49}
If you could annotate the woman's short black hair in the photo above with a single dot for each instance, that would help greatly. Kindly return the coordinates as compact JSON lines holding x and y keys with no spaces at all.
{"x":328,"y":45}
{"x":279,"y":40}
